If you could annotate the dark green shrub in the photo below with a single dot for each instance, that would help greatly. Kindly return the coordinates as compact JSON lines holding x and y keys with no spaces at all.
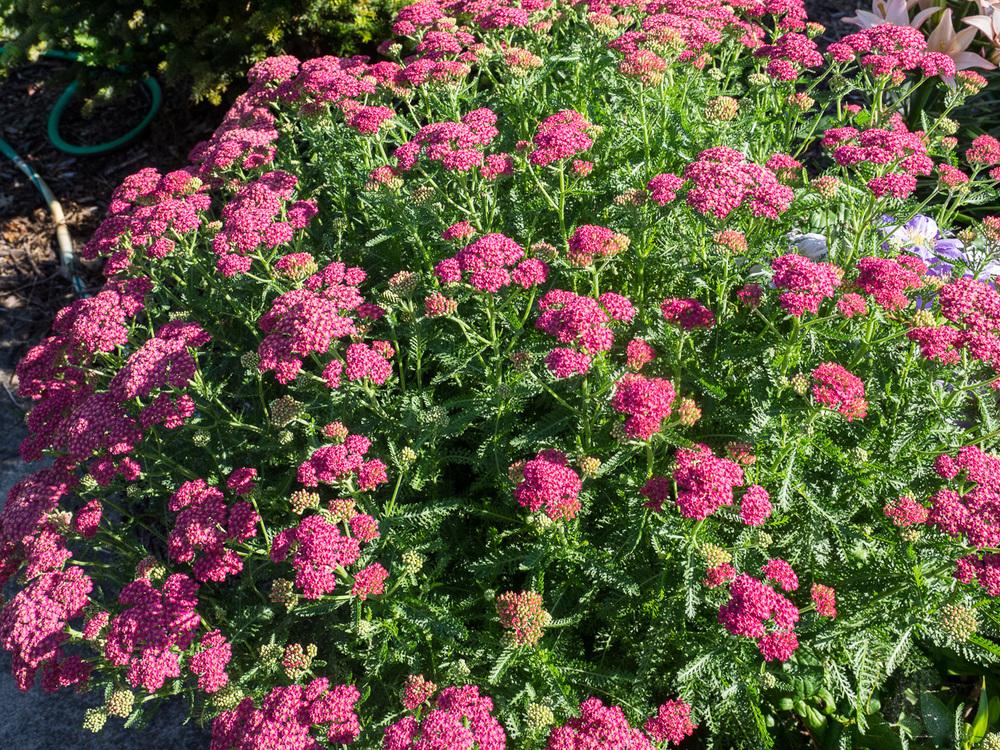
{"x":193,"y":43}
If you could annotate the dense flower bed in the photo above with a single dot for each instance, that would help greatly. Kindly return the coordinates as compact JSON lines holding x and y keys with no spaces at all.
{"x":524,"y":389}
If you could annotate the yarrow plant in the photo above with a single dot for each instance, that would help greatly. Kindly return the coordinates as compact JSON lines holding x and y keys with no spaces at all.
{"x":572,"y":374}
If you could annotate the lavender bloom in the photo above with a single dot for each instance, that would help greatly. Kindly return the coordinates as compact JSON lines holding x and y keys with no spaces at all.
{"x":921,"y":237}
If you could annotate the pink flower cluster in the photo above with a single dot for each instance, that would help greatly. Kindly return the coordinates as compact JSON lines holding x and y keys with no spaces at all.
{"x":972,"y":511}
{"x":549,"y":484}
{"x":781,"y":573}
{"x":687,"y":313}
{"x":886,"y":49}
{"x":492,"y":262}
{"x":705,"y":482}
{"x":369,"y":581}
{"x":582,"y":321}
{"x":147,"y":212}
{"x":663,"y":188}
{"x":722,"y":180}
{"x":205,"y":523}
{"x":806,"y":283}
{"x":210,"y":662}
{"x":973,"y":309}
{"x":317,"y":548}
{"x":825,"y":599}
{"x":33,"y":623}
{"x":462,"y":719}
{"x":672,"y":723}
{"x":755,"y":507}
{"x":69,"y":416}
{"x":598,"y":727}
{"x":523,"y":613}
{"x":589,"y":241}
{"x":755,"y":610}
{"x":839,"y":390}
{"x":417,"y":691}
{"x":985,"y":150}
{"x":246,"y":136}
{"x":687,"y":27}
{"x":638,"y":354}
{"x":561,"y":136}
{"x":892,"y":149}
{"x":887,"y":279}
{"x":27,"y":536}
{"x":789,"y":54}
{"x":646,"y":401}
{"x":307,"y":320}
{"x":154,"y":626}
{"x":259,"y":215}
{"x":331,"y":464}
{"x":457,"y":146}
{"x":905,"y":511}
{"x":287,"y":716}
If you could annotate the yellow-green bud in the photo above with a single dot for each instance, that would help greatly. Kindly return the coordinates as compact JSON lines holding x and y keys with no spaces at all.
{"x":413,"y":562}
{"x":958,"y":621}
{"x":94,"y":719}
{"x":120,"y":703}
{"x":539,"y":717}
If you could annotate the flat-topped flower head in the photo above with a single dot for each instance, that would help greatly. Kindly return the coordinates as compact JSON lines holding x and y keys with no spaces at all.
{"x":837,"y":389}
{"x":550,"y":485}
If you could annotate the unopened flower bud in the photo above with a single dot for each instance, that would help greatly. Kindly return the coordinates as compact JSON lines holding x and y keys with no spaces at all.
{"x":715,"y":555}
{"x":229,"y":697}
{"x":422,"y":194}
{"x":801,"y":101}
{"x":589,"y":466}
{"x":800,"y":383}
{"x":303,"y":500}
{"x":631,"y":197}
{"x":911,"y":534}
{"x":120,"y":703}
{"x":271,"y":653}
{"x":539,"y":717}
{"x":967,"y":235}
{"x":826,"y":186}
{"x":283,"y":410}
{"x":947,"y":126}
{"x":722,"y":109}
{"x":814,"y":29}
{"x":342,"y":509}
{"x":94,"y":719}
{"x":151,"y":568}
{"x":958,"y":621}
{"x":688,"y":412}
{"x":839,"y":84}
{"x":413,"y":562}
{"x":283,"y":592}
{"x":403,"y":282}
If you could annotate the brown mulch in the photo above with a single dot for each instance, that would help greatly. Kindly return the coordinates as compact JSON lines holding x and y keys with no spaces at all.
{"x":831,"y":13}
{"x":32,"y":289}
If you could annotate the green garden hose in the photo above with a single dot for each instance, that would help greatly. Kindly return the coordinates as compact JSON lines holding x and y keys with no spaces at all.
{"x":100,"y":148}
{"x":63,"y":240}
